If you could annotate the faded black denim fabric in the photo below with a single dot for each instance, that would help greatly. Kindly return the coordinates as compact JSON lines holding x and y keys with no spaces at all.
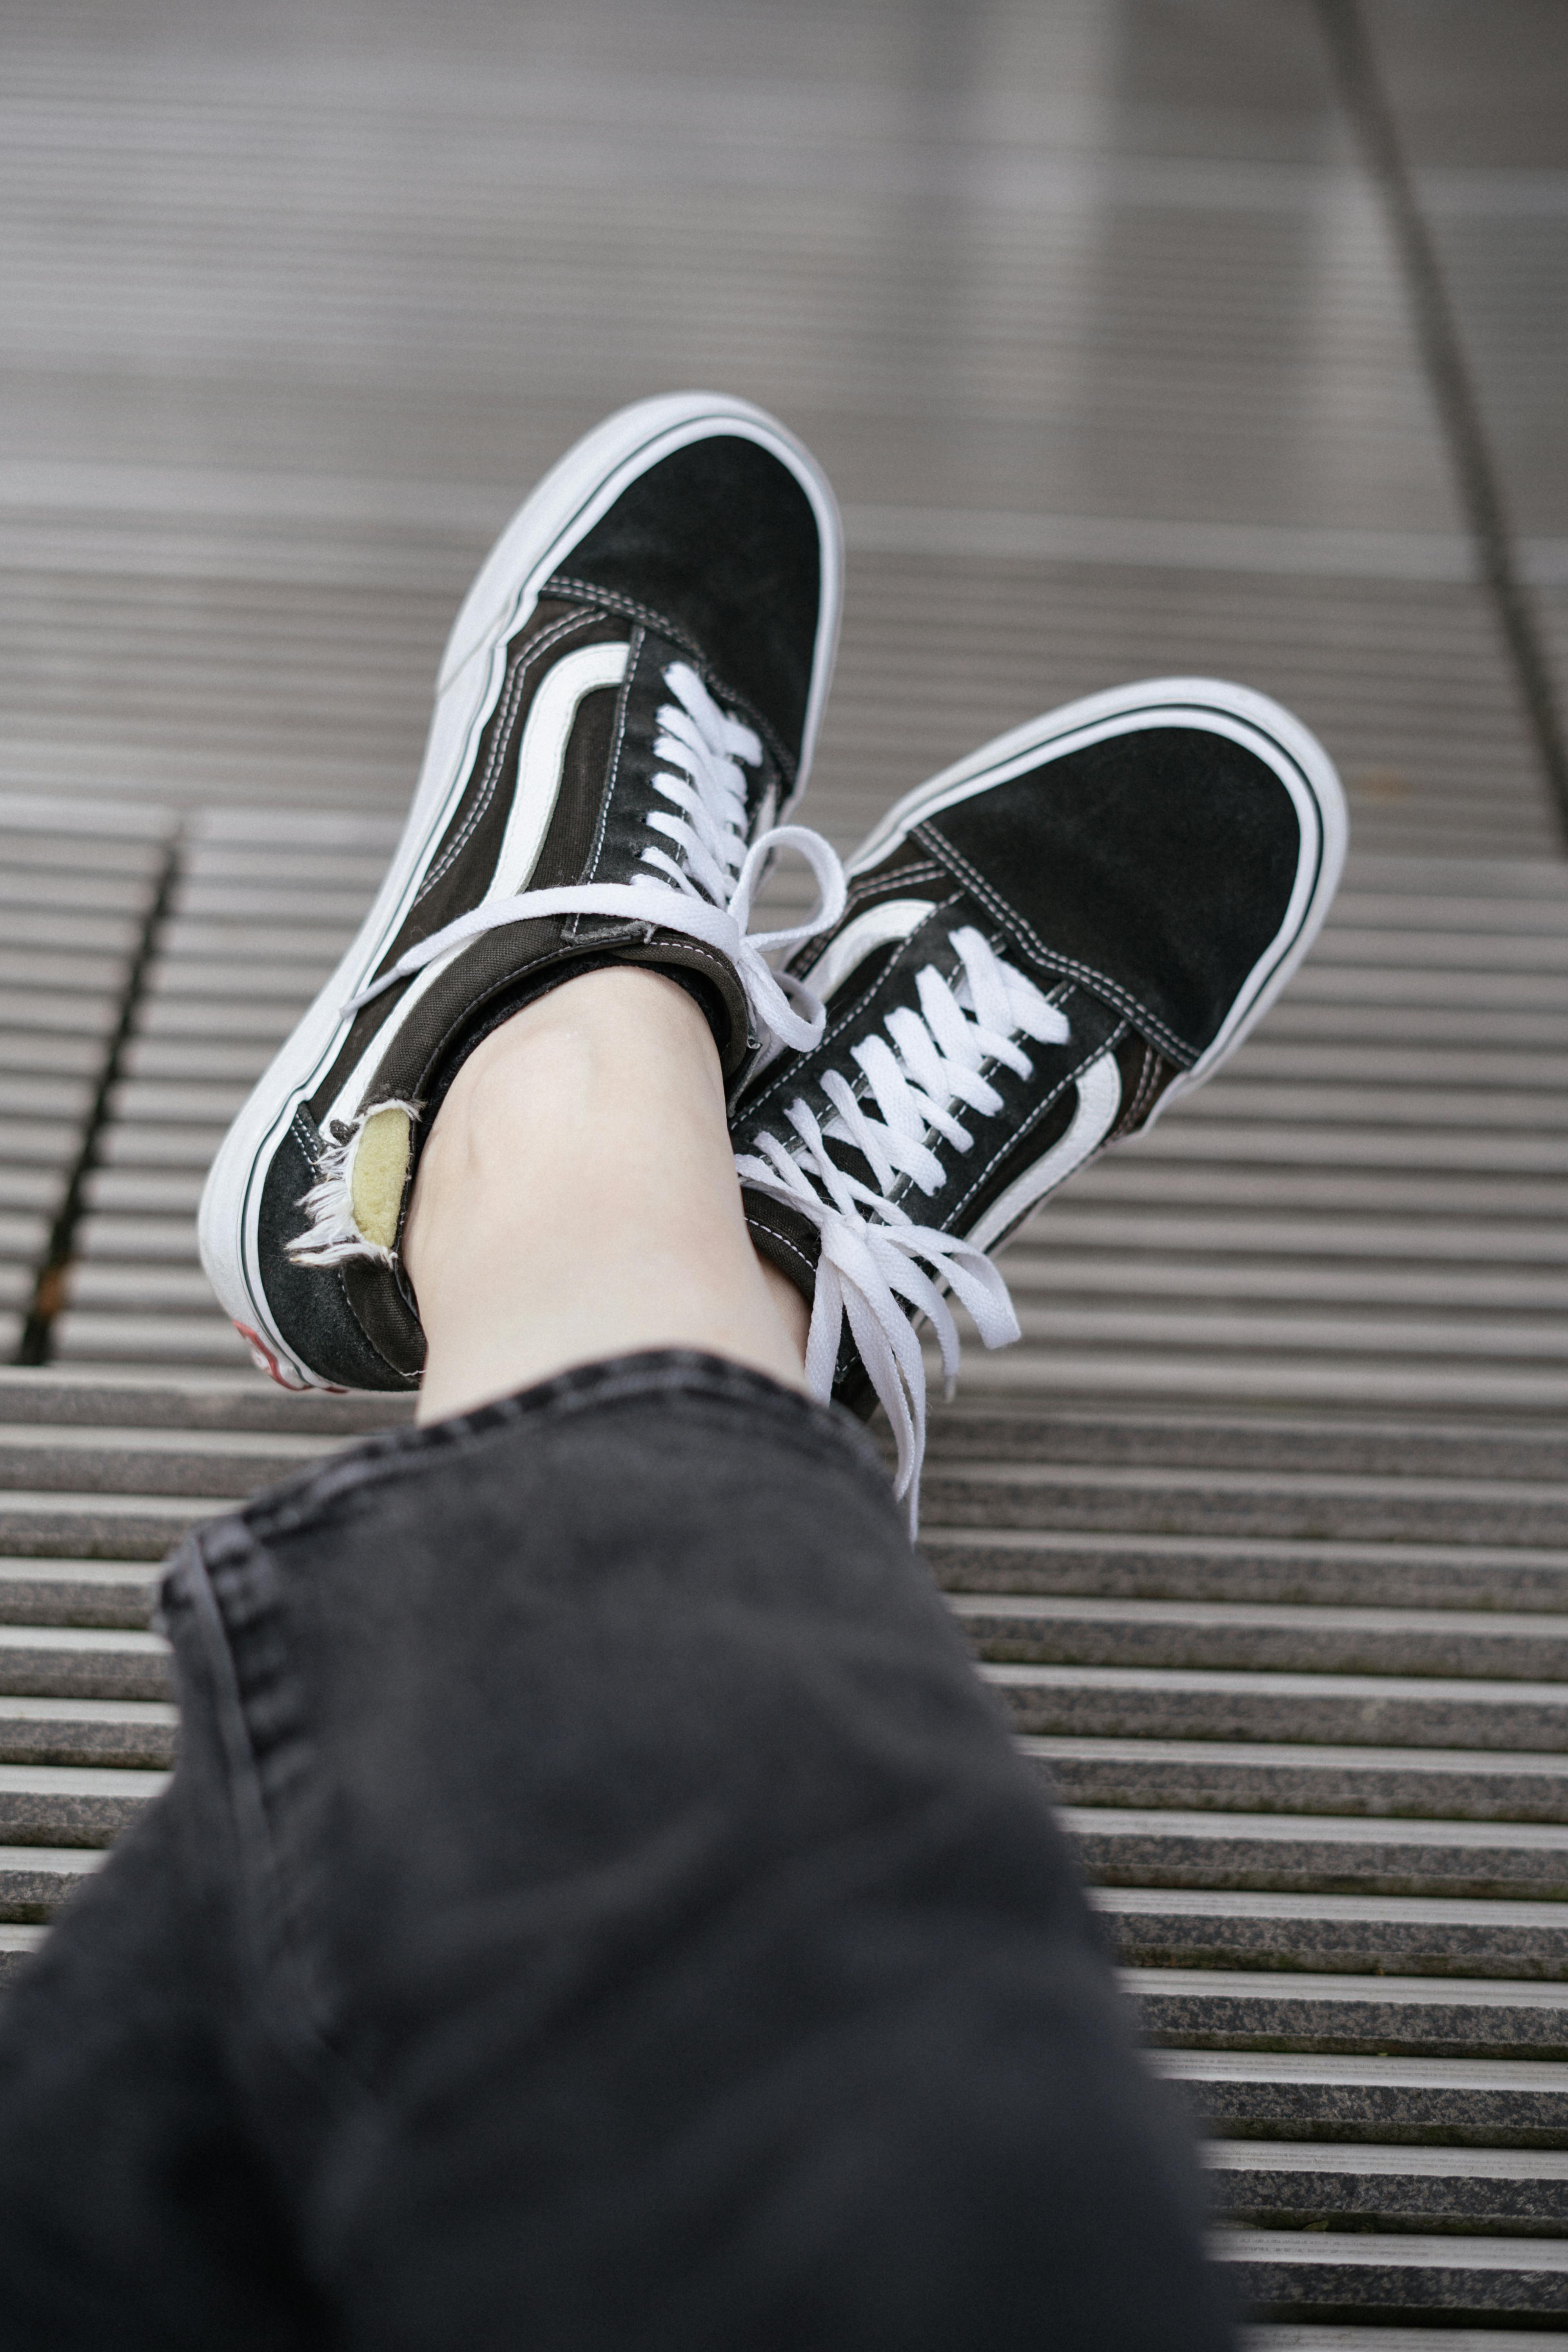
{"x":596,"y":1907}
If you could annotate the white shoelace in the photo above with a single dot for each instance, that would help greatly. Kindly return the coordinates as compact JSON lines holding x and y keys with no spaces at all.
{"x":704,"y":889}
{"x":937,"y":1060}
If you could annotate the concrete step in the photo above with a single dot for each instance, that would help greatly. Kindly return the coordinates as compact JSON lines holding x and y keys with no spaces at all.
{"x":1415,"y":1244}
{"x":1296,"y":2336}
{"x":1286,"y":1188}
{"x":78,"y":1592}
{"x":1437,"y":1784}
{"x":91,"y":1731}
{"x":1292,"y":2184}
{"x":92,"y":1525}
{"x":1071,"y":1279}
{"x":1367,"y":2016}
{"x":35,"y":1880}
{"x":16,"y":1943}
{"x":1453,"y":2102}
{"x":1286,"y":2273}
{"x":1282,"y":1374}
{"x":182,"y":1403}
{"x":1306,"y":1853}
{"x":1267,"y":1636}
{"x":1361,"y":1934}
{"x":71,"y":1805}
{"x":1332,"y":1710}
{"x":1247,"y":1569}
{"x":82,"y":1661}
{"x":1242,"y":1142}
{"x":991,"y":1430}
{"x":1076,"y":1314}
{"x":1302,"y":1504}
{"x":214,"y":1465}
{"x":1239,"y":1093}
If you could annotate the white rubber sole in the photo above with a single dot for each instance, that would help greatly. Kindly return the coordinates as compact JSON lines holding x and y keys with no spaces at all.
{"x":1261,"y":725}
{"x":552,"y":520}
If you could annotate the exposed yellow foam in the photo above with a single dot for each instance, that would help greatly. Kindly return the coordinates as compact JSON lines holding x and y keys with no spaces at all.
{"x":381,"y":1165}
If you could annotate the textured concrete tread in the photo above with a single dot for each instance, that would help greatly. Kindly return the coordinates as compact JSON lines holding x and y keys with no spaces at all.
{"x":1293,"y":2336}
{"x":1285,"y":2271}
{"x":1283,"y":2184}
{"x":72,"y":1805}
{"x":1152,"y":1847}
{"x":1257,"y":1569}
{"x":1438,"y":1936}
{"x":35,"y":1880}
{"x":1449,"y":1642}
{"x":77,"y":1593}
{"x":1272,"y":1777}
{"x":83,"y":1661}
{"x":1368,"y":2016}
{"x":1530,"y":2255}
{"x":1494,"y":2102}
{"x":88,"y":1731}
{"x":1223,"y":1704}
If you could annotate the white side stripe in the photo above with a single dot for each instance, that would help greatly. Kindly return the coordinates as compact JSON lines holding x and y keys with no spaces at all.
{"x":542,"y":756}
{"x":1099,"y":1101}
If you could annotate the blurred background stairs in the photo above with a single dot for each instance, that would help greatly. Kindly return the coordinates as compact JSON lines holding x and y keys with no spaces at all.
{"x":1106,"y":332}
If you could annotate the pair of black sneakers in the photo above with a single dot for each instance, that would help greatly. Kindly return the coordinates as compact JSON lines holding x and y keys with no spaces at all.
{"x":1029,"y":957}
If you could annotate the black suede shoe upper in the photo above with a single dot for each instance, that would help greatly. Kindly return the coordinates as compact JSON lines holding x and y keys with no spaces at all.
{"x":1154,"y":877}
{"x":717,"y":547}
{"x":704,"y":593}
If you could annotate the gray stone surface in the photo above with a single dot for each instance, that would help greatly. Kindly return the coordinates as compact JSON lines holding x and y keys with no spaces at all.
{"x":17,"y":1945}
{"x":74,"y":1661}
{"x":1324,"y":1574}
{"x":1302,"y":1853}
{"x":1281,"y":2184}
{"x":1369,"y":2016}
{"x":97,"y":1527}
{"x":1438,"y":1936}
{"x":1250,"y":1502}
{"x":71,"y":1805}
{"x":1457,"y":2102}
{"x":1260,"y":1777}
{"x":1283,"y":2273}
{"x":1170,"y":1703}
{"x":1293,"y":2336}
{"x":35,"y":1880}
{"x":139,"y":1733}
{"x":218,"y":1465}
{"x":78,"y":1592}
{"x":1268,"y":1635}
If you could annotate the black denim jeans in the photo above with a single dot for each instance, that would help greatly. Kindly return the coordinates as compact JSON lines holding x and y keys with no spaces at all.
{"x":596,"y":1906}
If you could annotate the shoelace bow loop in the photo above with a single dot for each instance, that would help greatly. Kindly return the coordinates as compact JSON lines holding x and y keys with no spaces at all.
{"x":704,"y":891}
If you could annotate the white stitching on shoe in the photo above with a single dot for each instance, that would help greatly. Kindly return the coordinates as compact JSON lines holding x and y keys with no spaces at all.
{"x":631,"y":608}
{"x":623,"y":708}
{"x":937,"y":1057}
{"x":1183,"y":1055}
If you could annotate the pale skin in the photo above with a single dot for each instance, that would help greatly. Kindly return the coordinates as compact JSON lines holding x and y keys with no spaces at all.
{"x":577,"y":1198}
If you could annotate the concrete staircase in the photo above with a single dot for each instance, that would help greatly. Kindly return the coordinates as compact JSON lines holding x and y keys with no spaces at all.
{"x":1261,"y":1536}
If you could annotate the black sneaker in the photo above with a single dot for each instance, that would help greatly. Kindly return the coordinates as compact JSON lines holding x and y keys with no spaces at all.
{"x":626,"y":707}
{"x":1041,"y":950}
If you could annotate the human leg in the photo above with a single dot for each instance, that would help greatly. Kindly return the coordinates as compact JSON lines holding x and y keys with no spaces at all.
{"x":686,"y":1957}
{"x":625,"y":1919}
{"x":577,"y":1198}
